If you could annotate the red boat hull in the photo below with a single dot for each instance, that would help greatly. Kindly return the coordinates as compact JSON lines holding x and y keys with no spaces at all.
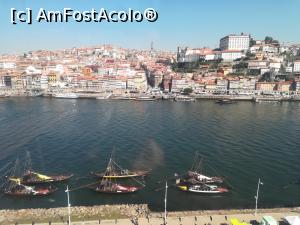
{"x":38,"y":191}
{"x":117,"y":189}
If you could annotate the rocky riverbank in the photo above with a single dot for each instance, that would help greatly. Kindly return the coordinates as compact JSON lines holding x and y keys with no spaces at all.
{"x":112,"y":212}
{"x":78,"y":213}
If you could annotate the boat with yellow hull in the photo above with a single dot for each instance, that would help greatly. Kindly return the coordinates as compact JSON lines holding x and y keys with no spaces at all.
{"x":31,"y":177}
{"x":123,"y":174}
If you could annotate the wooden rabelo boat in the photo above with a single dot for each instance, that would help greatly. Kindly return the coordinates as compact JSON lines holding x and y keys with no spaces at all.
{"x":114,"y":171}
{"x":30,"y":177}
{"x":16,"y":188}
{"x":195,"y":181}
{"x":109,"y":181}
{"x":203,"y":189}
{"x":115,"y":188}
{"x":196,"y":176}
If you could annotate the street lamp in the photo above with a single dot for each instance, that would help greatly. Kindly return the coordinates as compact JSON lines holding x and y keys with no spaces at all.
{"x":256,"y":197}
{"x":166,"y":193}
{"x":69,"y":205}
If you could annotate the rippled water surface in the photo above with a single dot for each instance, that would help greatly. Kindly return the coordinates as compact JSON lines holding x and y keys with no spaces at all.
{"x":242,"y":142}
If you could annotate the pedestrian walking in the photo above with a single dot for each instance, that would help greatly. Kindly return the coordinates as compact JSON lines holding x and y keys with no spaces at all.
{"x":225,"y":217}
{"x":210,"y":218}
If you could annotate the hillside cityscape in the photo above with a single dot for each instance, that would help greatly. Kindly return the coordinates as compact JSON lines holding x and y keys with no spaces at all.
{"x":241,"y":66}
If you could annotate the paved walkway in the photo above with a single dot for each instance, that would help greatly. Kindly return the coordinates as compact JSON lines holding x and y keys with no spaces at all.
{"x":185,"y":220}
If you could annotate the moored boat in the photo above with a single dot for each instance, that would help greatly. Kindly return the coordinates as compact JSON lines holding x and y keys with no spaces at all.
{"x":121,"y":174}
{"x":114,"y":188}
{"x":31,"y":177}
{"x":65,"y":95}
{"x":184,"y":99}
{"x":30,"y":191}
{"x":145,"y":98}
{"x":109,"y":180}
{"x":123,"y":98}
{"x":196,"y":176}
{"x":200,"y":178}
{"x":114,"y":171}
{"x":16,"y":188}
{"x":203,"y":189}
{"x":226,"y":101}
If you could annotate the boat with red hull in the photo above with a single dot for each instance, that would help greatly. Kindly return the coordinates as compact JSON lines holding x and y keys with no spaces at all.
{"x":109,"y":180}
{"x":113,"y":188}
{"x":22,"y":190}
{"x":14,"y":187}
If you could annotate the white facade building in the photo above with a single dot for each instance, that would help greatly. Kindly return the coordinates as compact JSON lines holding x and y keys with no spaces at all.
{"x":289,"y":69}
{"x":235,"y":42}
{"x":228,"y":56}
{"x":257,"y":64}
{"x":7,"y":65}
{"x":297,"y":66}
{"x":44,"y":81}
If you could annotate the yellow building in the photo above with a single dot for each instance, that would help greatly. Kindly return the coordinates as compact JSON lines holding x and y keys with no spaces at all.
{"x":265,"y":86}
{"x":87,"y":71}
{"x":259,"y":55}
{"x":52,"y":78}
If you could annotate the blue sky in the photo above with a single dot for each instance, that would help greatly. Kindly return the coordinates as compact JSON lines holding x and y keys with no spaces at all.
{"x":193,"y":23}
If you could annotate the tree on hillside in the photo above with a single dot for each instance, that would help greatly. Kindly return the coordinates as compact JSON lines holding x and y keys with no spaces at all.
{"x":268,"y":40}
{"x":252,"y":42}
{"x":187,"y":91}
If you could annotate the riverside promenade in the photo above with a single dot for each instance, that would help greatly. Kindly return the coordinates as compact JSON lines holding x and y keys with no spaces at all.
{"x":138,"y":217}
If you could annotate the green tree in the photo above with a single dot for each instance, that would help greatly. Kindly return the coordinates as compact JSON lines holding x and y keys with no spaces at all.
{"x":268,"y":40}
{"x":187,"y":91}
{"x":252,"y":42}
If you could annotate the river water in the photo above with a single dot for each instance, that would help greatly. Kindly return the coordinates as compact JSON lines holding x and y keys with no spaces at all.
{"x":242,"y":142}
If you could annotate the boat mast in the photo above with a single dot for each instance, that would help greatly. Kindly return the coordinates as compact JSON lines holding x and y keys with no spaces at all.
{"x":256,"y":197}
{"x":69,"y":205}
{"x":166,"y":193}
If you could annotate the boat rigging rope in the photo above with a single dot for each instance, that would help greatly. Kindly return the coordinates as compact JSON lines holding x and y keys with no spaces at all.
{"x":5,"y":166}
{"x":129,"y":177}
{"x":84,"y":186}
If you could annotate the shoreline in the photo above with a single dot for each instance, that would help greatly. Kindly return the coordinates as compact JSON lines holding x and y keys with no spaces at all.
{"x":240,"y":98}
{"x":122,"y":212}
